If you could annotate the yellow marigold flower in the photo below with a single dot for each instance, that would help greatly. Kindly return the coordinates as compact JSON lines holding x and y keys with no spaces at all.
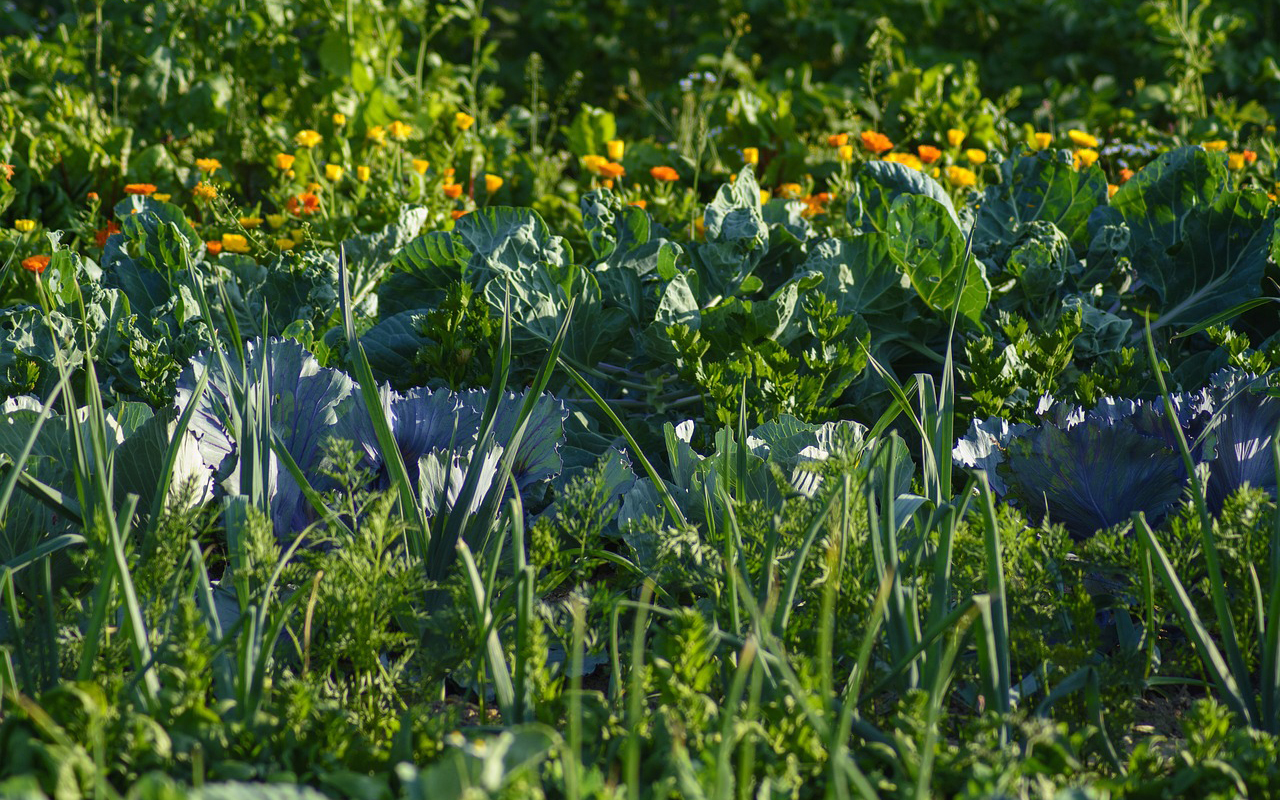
{"x":1082,"y":139}
{"x":284,"y":161}
{"x":208,"y":164}
{"x":845,"y":152}
{"x":837,"y":140}
{"x":421,"y":165}
{"x":333,"y":172}
{"x":876,"y":142}
{"x":975,"y":156}
{"x":612,"y":169}
{"x":765,"y":196}
{"x":751,"y":155}
{"x":608,"y":184}
{"x":339,"y":119}
{"x":234,"y":243}
{"x":250,"y":222}
{"x":453,"y":190}
{"x":24,"y":225}
{"x":594,"y":162}
{"x":614,"y":148}
{"x":1215,"y":146}
{"x":163,"y":197}
{"x":906,"y":159}
{"x":955,"y":137}
{"x":463,"y":120}
{"x":929,"y":153}
{"x":789,"y":191}
{"x":204,"y":191}
{"x":1235,"y":161}
{"x":700,"y":225}
{"x":377,"y":134}
{"x":362,"y":174}
{"x":307,"y":138}
{"x":276,"y":220}
{"x":1084,"y":158}
{"x":961,"y":177}
{"x":286,"y":244}
{"x":1111,"y":190}
{"x":1042,"y":140}
{"x":492,"y":183}
{"x":399,"y":130}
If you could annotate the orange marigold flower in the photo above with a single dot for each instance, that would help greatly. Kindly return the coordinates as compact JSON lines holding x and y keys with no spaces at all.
{"x":7,"y":171}
{"x":213,"y":247}
{"x":665,"y":174}
{"x":458,"y":213}
{"x":837,"y":140}
{"x":35,"y":264}
{"x":1125,"y":175}
{"x":610,"y":169}
{"x":305,"y":203}
{"x":144,"y":189}
{"x":92,"y":197}
{"x":1250,"y":156}
{"x":284,"y":161}
{"x":453,"y":190}
{"x":1111,"y":190}
{"x":100,"y":237}
{"x":876,"y":142}
{"x":608,"y":184}
{"x":929,"y":153}
{"x":639,"y":203}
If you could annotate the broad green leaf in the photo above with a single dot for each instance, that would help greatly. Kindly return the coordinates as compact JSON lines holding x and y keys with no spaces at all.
{"x":1045,"y":186}
{"x":421,"y":271}
{"x":931,"y":250}
{"x":880,"y":183}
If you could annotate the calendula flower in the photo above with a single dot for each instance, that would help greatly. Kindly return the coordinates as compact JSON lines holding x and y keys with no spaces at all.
{"x":204,"y":191}
{"x":362,"y":174}
{"x":339,"y":119}
{"x":7,"y":171}
{"x":213,"y":247}
{"x":929,"y":153}
{"x":207,"y":165}
{"x":639,"y":203}
{"x":751,"y":155}
{"x":276,"y":220}
{"x":1249,"y":156}
{"x":837,"y":140}
{"x":665,"y":174}
{"x":906,"y":159}
{"x":144,"y":189}
{"x":458,"y":213}
{"x":101,"y":236}
{"x":1235,"y":161}
{"x":234,"y":243}
{"x":92,"y":197}
{"x":163,"y":197}
{"x":975,"y":156}
{"x":399,"y":131}
{"x":1125,"y":175}
{"x":1111,"y":190}
{"x":492,"y":183}
{"x":307,"y":138}
{"x":313,"y":187}
{"x":35,"y":264}
{"x":845,"y":152}
{"x":789,"y":191}
{"x":612,"y":170}
{"x":462,"y":120}
{"x":376,"y":134}
{"x":955,"y":137}
{"x":765,"y":196}
{"x":1215,"y":146}
{"x":1084,"y":158}
{"x":1082,"y":139}
{"x":700,"y":227}
{"x":594,"y":162}
{"x":453,"y":190}
{"x":614,"y":148}
{"x":421,"y":165}
{"x":876,"y":142}
{"x":286,"y":244}
{"x":24,"y":225}
{"x":305,"y":203}
{"x":284,"y":161}
{"x":250,"y":222}
{"x":608,"y":184}
{"x":333,"y":172}
{"x":961,"y":177}
{"x":1042,"y":140}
